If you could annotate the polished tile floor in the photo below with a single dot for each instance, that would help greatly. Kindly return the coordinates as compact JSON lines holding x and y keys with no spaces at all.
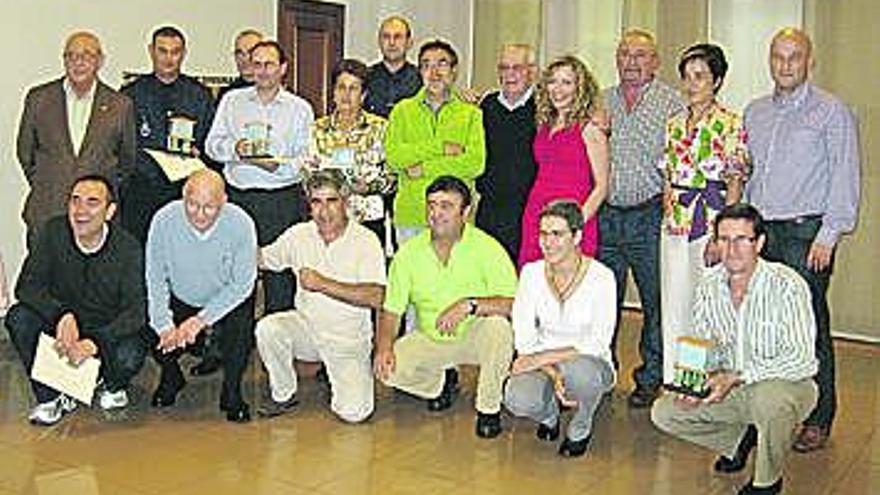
{"x":403,"y":449}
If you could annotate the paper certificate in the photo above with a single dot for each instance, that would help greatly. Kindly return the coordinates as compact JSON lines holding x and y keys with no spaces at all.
{"x":56,"y":372}
{"x":176,"y":167}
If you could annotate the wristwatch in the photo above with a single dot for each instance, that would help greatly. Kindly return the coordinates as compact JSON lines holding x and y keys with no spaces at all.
{"x":472,"y":306}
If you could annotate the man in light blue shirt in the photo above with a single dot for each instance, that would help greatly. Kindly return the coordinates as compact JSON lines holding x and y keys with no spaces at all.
{"x":804,"y":146}
{"x":261,"y":134}
{"x":201,"y":265}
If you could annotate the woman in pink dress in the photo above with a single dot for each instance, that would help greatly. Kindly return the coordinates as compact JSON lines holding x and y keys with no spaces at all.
{"x":571,"y":152}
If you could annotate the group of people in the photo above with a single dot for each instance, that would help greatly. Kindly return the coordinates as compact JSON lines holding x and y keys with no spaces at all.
{"x":568,"y":187}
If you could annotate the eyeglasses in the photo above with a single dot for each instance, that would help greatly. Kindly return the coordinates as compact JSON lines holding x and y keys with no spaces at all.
{"x":555,"y":234}
{"x":80,"y":56}
{"x":735,"y":241}
{"x":637,"y":55}
{"x":265,"y":64}
{"x":513,"y":67}
{"x":440,"y":64}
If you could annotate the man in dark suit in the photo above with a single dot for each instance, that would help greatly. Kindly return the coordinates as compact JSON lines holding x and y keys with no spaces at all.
{"x":71,"y":127}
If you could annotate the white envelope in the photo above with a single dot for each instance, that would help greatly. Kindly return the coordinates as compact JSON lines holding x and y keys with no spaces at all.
{"x":176,"y":167}
{"x":55,"y":371}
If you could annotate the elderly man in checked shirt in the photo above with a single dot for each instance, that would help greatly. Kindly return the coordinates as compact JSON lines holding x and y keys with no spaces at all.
{"x":757,"y":315}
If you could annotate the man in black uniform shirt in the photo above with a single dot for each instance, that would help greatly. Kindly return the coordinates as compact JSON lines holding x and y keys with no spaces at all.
{"x":393,"y":78}
{"x":509,"y":123}
{"x":159,"y":97}
{"x":83,"y":283}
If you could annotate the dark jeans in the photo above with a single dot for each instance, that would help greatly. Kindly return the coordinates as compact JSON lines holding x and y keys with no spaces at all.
{"x":234,"y":333}
{"x":122,"y":356}
{"x":630,"y":238}
{"x":273,"y":211}
{"x":788,"y":242}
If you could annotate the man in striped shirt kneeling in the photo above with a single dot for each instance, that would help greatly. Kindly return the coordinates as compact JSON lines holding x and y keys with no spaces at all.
{"x":757,"y":315}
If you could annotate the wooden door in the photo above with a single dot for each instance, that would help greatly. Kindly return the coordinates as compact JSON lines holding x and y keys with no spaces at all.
{"x":312,"y":34}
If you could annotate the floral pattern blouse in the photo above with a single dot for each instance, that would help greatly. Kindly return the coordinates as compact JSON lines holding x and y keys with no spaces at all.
{"x":359,"y":153}
{"x":697,"y":165}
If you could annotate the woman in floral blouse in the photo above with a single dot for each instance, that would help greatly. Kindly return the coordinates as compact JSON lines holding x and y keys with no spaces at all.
{"x":350,"y":139}
{"x":704,"y":166}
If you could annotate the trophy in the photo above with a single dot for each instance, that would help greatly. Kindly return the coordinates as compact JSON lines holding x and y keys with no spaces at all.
{"x":180,"y":134}
{"x":691,"y":367}
{"x":257,"y":136}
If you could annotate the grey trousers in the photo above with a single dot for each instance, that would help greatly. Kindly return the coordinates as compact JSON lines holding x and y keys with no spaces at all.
{"x":586,"y":378}
{"x":775,"y":407}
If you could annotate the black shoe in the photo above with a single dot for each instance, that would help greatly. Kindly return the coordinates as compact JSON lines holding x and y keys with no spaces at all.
{"x":548,"y":433}
{"x":488,"y":425}
{"x":642,"y":397}
{"x":169,"y":386}
{"x":750,"y":489}
{"x":726,"y":464}
{"x":239,"y":413}
{"x":447,"y":395}
{"x":321,"y":375}
{"x":272,"y":408}
{"x":573,"y":448}
{"x":208,"y":365}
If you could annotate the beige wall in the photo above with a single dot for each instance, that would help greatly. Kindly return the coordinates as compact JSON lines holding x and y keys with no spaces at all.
{"x":499,"y":22}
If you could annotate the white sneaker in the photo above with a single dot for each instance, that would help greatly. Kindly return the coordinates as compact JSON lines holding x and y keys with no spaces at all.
{"x":112,"y":400}
{"x":51,"y":412}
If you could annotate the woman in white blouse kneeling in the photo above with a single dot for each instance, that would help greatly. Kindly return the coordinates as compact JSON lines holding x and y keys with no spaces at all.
{"x":563,"y":321}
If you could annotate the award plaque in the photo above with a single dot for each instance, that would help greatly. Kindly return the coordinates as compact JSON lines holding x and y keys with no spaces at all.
{"x":257,"y":136}
{"x":180,"y":134}
{"x":691,"y":367}
{"x":343,"y":159}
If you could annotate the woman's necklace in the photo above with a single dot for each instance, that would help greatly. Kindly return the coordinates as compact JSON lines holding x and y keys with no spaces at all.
{"x":564,"y":291}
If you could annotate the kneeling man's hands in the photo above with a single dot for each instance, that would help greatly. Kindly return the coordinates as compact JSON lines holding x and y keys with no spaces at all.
{"x":383,"y":363}
{"x":720,"y":385}
{"x":310,"y":279}
{"x":449,"y":319}
{"x":81,"y":350}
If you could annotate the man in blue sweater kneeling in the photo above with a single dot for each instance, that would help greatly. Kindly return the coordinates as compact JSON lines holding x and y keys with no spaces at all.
{"x":201,"y":265}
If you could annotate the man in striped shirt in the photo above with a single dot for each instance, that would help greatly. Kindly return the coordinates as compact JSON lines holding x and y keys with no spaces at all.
{"x":758,"y":316}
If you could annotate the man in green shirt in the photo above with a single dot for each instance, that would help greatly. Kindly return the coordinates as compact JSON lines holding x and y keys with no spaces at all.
{"x":462,"y":283}
{"x":431,"y":134}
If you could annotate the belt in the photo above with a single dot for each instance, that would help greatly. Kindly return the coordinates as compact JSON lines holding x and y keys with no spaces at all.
{"x":291,"y":187}
{"x":648,"y":203}
{"x":796,"y":220}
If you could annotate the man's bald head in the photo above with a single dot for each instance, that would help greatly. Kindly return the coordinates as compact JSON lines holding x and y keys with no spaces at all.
{"x":204,"y":195}
{"x":791,"y":59}
{"x":795,"y":35}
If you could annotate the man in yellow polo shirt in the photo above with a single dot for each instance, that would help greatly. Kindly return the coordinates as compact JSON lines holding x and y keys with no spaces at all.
{"x":462,"y":283}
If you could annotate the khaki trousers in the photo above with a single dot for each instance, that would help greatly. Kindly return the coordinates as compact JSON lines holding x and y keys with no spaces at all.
{"x":420,"y":362}
{"x":775,"y":407}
